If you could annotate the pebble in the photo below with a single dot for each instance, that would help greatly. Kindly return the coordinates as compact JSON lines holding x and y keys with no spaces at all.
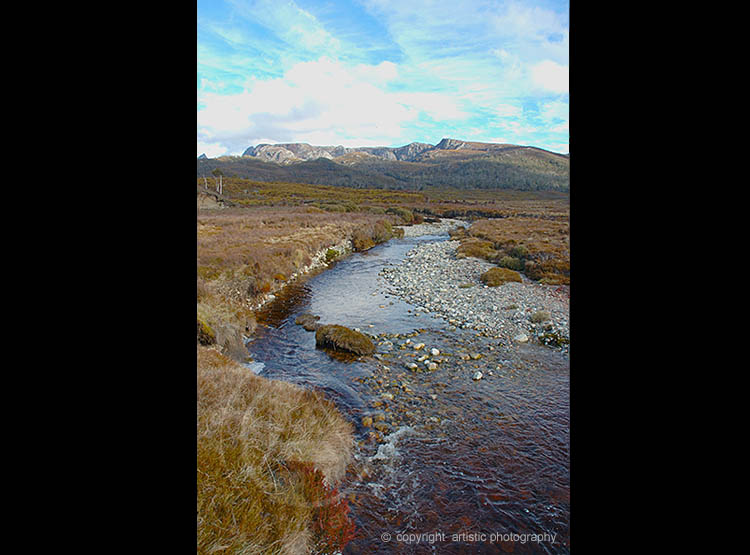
{"x":477,"y":376}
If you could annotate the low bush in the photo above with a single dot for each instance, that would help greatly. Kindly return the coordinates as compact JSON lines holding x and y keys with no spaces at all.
{"x":406,"y":215}
{"x":510,"y":263}
{"x":519,"y":251}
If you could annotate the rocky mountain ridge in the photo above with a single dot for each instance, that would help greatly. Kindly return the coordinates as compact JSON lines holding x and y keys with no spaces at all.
{"x":449,"y":163}
{"x":287,"y":153}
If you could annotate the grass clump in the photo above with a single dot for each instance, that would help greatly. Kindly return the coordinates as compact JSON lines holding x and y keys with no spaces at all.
{"x":497,"y":276}
{"x":341,"y":338}
{"x":477,"y":248}
{"x":269,"y":456}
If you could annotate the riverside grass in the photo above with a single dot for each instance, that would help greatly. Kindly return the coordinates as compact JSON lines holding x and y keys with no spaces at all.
{"x":270,"y":453}
{"x":256,"y":437}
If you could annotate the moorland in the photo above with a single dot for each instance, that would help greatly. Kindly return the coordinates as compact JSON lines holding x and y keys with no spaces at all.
{"x":271,"y":454}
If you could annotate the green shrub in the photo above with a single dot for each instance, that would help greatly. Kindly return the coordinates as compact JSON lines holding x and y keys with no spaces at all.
{"x":511,"y":263}
{"x":331,"y":255}
{"x":206,"y":335}
{"x":519,"y":251}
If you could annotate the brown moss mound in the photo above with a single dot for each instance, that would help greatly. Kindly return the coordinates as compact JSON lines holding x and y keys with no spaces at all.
{"x":341,"y":338}
{"x":497,"y":276}
{"x":308,"y":321}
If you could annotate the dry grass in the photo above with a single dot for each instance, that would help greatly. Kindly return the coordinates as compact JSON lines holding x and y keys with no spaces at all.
{"x":536,"y":243}
{"x":256,"y":437}
{"x":243,"y":252}
{"x":246,"y":252}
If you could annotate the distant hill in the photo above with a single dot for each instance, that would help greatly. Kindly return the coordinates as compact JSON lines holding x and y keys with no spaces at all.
{"x":450,"y":163}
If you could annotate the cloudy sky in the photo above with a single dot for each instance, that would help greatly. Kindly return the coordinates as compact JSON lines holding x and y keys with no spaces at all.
{"x":381,"y":72}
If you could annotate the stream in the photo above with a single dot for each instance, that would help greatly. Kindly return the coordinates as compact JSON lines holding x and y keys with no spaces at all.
{"x":444,"y":463}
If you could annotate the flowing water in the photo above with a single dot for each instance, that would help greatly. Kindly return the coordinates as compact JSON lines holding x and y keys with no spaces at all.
{"x":455,"y":465}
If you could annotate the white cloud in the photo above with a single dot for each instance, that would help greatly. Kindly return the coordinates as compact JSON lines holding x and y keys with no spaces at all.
{"x":550,"y":76}
{"x":319,"y":102}
{"x":508,"y":111}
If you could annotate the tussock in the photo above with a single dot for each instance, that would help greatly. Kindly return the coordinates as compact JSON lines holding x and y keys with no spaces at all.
{"x":254,"y":436}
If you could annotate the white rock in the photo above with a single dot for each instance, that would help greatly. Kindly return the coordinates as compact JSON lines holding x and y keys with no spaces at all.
{"x":434,"y":352}
{"x":477,"y":376}
{"x":521,"y":338}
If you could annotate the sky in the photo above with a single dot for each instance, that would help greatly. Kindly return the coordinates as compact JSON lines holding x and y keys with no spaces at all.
{"x":381,"y":73}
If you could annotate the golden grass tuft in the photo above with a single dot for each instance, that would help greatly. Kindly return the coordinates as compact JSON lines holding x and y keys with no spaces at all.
{"x":254,"y":435}
{"x":476,"y":248}
{"x":497,"y":276}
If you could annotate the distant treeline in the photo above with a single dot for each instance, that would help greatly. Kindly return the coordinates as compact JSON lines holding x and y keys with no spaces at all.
{"x":520,"y":171}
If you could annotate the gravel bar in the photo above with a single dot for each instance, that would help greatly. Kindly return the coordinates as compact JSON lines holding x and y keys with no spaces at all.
{"x":438,"y":283}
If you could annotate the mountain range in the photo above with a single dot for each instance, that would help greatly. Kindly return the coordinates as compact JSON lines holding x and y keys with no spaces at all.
{"x":449,"y":163}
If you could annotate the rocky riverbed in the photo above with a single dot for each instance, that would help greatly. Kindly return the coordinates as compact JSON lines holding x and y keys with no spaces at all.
{"x":441,"y":285}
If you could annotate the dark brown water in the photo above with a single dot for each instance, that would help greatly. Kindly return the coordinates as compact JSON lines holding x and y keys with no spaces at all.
{"x":457,"y":466}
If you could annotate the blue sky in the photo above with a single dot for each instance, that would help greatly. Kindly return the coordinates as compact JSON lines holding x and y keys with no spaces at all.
{"x":381,"y":72}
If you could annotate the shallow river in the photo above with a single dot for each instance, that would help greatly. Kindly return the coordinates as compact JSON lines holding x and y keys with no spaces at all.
{"x":455,"y":465}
